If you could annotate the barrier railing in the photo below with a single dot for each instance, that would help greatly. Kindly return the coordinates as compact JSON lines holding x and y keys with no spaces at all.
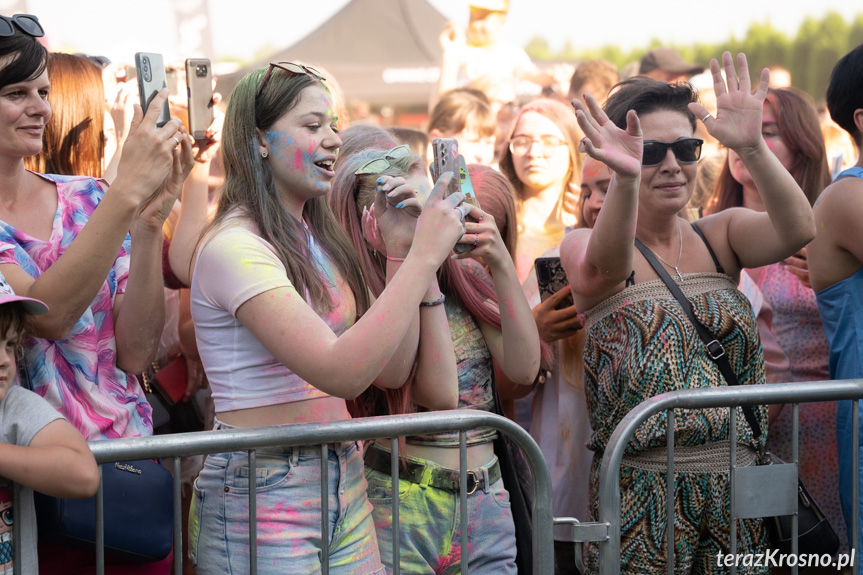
{"x":606,"y":531}
{"x":322,"y":434}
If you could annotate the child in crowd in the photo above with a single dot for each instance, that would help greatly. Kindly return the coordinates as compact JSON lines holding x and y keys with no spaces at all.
{"x":465,"y":115}
{"x":39,"y":449}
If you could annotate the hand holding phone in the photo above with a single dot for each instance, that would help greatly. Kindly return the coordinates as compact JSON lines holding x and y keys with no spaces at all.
{"x":151,"y":79}
{"x":199,"y":87}
{"x":551,"y":279}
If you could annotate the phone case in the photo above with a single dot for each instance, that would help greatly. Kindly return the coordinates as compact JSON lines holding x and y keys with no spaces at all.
{"x":551,"y":279}
{"x":151,"y":78}
{"x":199,"y":87}
{"x":466,"y":185}
{"x":446,"y":160}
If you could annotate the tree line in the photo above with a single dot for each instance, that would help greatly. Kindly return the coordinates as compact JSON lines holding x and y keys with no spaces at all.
{"x":809,"y":56}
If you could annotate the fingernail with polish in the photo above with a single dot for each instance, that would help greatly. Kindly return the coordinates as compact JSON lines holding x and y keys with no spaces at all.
{"x":400,"y":204}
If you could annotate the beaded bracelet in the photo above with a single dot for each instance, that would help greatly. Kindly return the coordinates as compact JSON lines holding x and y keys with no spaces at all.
{"x":438,"y":301}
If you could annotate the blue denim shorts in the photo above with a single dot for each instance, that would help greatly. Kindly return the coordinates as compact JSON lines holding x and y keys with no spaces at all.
{"x":288,"y":493}
{"x":430,"y":525}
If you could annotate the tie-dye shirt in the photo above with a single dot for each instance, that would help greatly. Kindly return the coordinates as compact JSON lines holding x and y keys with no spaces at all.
{"x":79,"y":375}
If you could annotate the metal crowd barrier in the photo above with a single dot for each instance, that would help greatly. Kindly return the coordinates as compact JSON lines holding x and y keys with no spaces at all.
{"x":745,"y":501}
{"x":174,"y":446}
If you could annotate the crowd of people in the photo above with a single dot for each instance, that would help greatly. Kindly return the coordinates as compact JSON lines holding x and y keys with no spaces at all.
{"x":307,"y":271}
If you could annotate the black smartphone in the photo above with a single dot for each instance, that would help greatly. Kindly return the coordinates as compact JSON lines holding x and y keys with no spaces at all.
{"x":551,"y":279}
{"x":151,"y":79}
{"x":199,"y":87}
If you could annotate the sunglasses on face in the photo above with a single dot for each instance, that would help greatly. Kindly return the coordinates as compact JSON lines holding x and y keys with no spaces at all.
{"x":291,"y":68}
{"x":27,"y":23}
{"x":378,"y":165}
{"x":686,"y":151}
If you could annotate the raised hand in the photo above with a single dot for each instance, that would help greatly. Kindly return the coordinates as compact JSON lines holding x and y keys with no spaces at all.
{"x":483,"y":235}
{"x":554,"y":324}
{"x":441,"y":223}
{"x":395,"y":213}
{"x":148,"y":154}
{"x":737,"y":124}
{"x":156,"y":208}
{"x":618,"y":149}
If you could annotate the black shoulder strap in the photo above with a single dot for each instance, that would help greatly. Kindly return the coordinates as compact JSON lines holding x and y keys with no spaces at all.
{"x":719,"y":268}
{"x":715,"y":350}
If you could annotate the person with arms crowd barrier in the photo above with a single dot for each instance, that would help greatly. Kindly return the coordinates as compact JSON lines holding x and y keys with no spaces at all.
{"x":645,"y":136}
{"x":286,"y":330}
{"x":478,"y":334}
{"x":105,"y":300}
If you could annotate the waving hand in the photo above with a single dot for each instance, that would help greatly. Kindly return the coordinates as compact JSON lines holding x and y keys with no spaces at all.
{"x":738,"y":118}
{"x":618,"y":149}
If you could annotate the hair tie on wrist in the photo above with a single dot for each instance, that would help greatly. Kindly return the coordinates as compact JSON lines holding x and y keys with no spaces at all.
{"x":392,"y":259}
{"x":438,"y":301}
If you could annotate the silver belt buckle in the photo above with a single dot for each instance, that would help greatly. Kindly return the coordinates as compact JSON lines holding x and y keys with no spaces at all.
{"x":472,"y":488}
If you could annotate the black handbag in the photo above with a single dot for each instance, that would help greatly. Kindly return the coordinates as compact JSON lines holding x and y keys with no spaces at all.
{"x":138,"y":513}
{"x":815,"y":534}
{"x":138,"y":509}
{"x":518,"y":481}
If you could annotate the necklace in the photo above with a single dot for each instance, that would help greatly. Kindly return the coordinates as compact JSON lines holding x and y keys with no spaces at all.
{"x":679,"y":253}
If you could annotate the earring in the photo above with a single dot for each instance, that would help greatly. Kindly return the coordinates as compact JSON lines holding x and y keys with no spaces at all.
{"x":264,"y":154}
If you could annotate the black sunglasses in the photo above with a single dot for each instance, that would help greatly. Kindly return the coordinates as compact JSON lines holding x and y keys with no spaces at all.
{"x":291,"y":68}
{"x":686,"y":151}
{"x":27,"y":23}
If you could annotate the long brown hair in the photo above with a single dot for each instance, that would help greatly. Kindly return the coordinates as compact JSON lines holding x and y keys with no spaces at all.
{"x":564,"y":118}
{"x":800,"y":130}
{"x":74,"y":139}
{"x":250,"y":188}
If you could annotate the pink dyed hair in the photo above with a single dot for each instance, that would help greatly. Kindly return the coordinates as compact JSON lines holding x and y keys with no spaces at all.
{"x":349,"y":194}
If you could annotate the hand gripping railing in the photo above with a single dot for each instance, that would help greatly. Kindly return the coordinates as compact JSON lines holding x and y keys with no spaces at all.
{"x":606,"y":531}
{"x":182,"y":444}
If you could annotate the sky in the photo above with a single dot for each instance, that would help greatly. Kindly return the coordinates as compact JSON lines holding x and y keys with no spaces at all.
{"x":119,"y":28}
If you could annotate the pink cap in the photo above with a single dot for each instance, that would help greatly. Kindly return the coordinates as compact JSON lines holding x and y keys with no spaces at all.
{"x":31,"y":306}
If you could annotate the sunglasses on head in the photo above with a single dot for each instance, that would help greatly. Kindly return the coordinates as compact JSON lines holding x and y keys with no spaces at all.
{"x":686,"y":151}
{"x":378,"y":165}
{"x":27,"y":23}
{"x":291,"y":68}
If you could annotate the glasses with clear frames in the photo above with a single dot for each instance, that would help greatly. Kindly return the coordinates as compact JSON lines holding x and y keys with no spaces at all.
{"x":378,"y":165}
{"x":520,"y":145}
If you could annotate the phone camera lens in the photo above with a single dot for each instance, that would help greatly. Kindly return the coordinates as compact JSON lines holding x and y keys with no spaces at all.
{"x":201,"y":70}
{"x":145,"y":65}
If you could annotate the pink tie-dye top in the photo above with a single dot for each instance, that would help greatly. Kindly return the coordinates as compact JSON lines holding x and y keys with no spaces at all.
{"x":79,"y":375}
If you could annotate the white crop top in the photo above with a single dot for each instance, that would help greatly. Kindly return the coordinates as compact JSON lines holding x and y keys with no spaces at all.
{"x":233,"y":265}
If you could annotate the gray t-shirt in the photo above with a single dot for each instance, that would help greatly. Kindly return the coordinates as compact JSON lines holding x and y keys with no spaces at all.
{"x":22,"y":415}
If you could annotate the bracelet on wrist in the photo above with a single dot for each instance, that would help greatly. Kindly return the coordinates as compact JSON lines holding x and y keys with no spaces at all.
{"x":392,"y":259}
{"x":438,"y":301}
